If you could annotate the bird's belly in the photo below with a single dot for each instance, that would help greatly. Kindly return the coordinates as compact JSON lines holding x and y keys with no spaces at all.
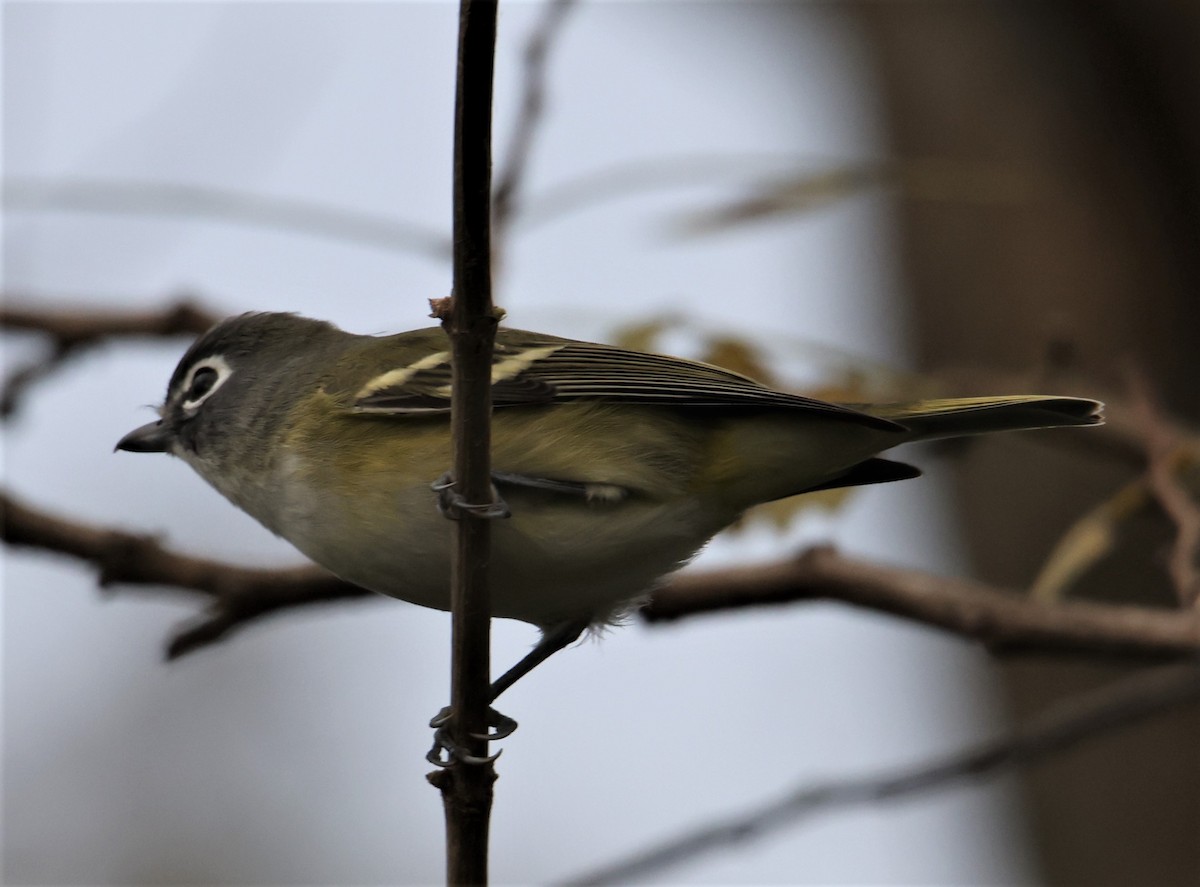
{"x":550,"y":561}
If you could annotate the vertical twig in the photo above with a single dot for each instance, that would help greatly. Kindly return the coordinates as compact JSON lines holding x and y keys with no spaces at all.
{"x":1167,"y":460}
{"x":467,"y":787}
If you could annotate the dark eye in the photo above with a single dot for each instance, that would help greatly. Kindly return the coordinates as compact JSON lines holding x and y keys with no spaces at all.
{"x":202,"y":382}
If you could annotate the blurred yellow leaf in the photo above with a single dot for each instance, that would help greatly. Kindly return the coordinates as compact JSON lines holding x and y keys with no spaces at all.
{"x":1088,"y":540}
{"x":803,"y":192}
{"x":642,"y":336}
{"x":739,"y":355}
{"x":1097,"y":534}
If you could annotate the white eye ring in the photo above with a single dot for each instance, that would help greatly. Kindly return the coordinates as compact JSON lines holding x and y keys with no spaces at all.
{"x":219,"y":371}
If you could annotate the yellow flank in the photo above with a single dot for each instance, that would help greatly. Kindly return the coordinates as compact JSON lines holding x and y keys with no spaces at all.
{"x":652,"y":453}
{"x":752,"y":459}
{"x":365,"y":447}
{"x":649,"y":452}
{"x":733,"y":460}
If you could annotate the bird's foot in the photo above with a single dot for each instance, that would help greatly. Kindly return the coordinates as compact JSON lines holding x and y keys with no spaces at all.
{"x":445,"y":752}
{"x":452,"y":505}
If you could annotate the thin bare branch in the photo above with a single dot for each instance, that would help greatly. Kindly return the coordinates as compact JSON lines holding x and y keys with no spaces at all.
{"x":72,"y":327}
{"x":20,"y":380}
{"x":620,"y":180}
{"x":1076,"y":720}
{"x":796,"y":194}
{"x":803,"y":191}
{"x":192,"y":202}
{"x":466,"y":782}
{"x":1166,"y":458}
{"x":70,"y":331}
{"x":1003,"y":621}
{"x":505,"y":200}
{"x":238,"y":595}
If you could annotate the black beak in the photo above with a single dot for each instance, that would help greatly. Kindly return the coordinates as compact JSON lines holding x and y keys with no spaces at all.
{"x":152,"y":438}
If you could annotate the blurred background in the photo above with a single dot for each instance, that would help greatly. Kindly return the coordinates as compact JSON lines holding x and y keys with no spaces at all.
{"x":990,"y":195}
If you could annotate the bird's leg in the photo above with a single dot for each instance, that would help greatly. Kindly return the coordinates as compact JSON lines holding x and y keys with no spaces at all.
{"x":551,"y":642}
{"x":561,"y":635}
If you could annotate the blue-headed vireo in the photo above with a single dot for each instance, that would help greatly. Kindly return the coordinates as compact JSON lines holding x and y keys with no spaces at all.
{"x":617,"y":465}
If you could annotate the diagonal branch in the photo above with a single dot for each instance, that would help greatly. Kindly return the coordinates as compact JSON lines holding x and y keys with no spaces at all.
{"x":1167,"y":458}
{"x":533,"y":103}
{"x":1076,"y":720}
{"x":226,"y":205}
{"x":237,"y":596}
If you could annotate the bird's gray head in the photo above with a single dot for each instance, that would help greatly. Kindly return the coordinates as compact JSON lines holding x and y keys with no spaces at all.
{"x":232,"y":389}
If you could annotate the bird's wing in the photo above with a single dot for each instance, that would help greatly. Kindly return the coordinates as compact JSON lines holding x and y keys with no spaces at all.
{"x":531,"y":369}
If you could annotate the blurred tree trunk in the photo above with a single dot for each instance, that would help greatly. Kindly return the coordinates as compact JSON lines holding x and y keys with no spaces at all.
{"x":1090,"y":112}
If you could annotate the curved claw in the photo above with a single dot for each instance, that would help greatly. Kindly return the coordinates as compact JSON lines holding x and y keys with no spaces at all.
{"x":434,"y":755}
{"x":443,"y":743}
{"x":452,"y":505}
{"x":465,"y":758}
{"x":503,"y":726}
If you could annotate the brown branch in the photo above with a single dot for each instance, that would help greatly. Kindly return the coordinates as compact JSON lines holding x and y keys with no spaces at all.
{"x":193,"y":202}
{"x":466,"y":782}
{"x":1067,"y":724}
{"x":1166,"y":457}
{"x":1004,"y":621}
{"x":71,"y":330}
{"x":238,"y":595}
{"x":73,"y":327}
{"x":533,"y":103}
{"x":618,"y":180}
{"x":20,"y":380}
{"x":1001,"y":620}
{"x":793,"y":194}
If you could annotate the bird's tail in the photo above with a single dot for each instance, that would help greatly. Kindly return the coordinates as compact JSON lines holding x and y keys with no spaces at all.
{"x":932,"y":419}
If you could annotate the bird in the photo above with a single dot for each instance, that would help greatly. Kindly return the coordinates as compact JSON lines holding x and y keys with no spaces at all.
{"x":614,"y":466}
